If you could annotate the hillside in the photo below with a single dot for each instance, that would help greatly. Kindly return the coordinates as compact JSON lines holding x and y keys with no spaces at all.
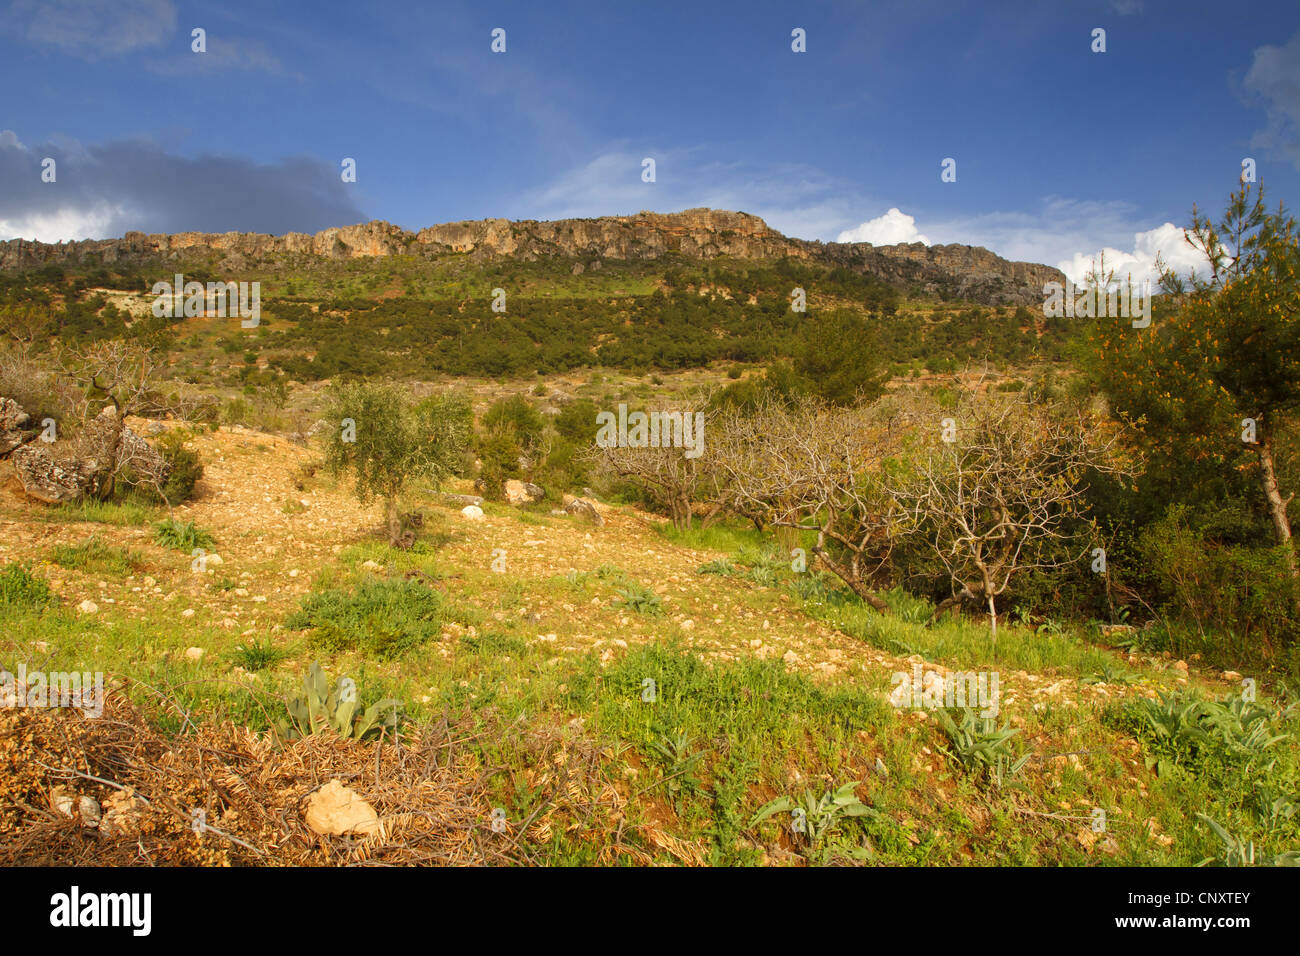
{"x":956,"y":271}
{"x":538,"y":672}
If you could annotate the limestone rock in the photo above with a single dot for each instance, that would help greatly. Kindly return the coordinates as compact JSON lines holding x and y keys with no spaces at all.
{"x":523,"y":492}
{"x":335,"y":809}
{"x":472,"y":512}
{"x":582,"y":508}
{"x":55,"y":480}
{"x":13,"y":422}
{"x":84,"y":467}
{"x":964,"y":272}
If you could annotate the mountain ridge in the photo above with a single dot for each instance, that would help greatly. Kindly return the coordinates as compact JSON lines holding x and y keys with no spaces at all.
{"x":959,"y":271}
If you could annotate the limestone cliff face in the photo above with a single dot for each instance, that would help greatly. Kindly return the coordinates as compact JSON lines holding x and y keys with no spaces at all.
{"x":961,"y":271}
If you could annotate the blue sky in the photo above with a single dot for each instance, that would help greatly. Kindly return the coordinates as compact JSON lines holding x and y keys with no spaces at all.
{"x":1060,"y":151}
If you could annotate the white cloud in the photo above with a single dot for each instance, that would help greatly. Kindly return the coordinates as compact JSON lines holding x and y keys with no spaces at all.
{"x":1072,"y":234}
{"x":1275,"y":76}
{"x":92,"y":29}
{"x":890,"y":229}
{"x":64,"y":225}
{"x":1166,"y":241}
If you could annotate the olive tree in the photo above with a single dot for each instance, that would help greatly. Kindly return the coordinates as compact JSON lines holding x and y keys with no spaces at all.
{"x":386,"y":442}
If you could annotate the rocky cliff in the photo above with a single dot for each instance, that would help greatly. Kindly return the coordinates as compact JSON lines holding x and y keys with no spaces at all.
{"x":964,"y":272}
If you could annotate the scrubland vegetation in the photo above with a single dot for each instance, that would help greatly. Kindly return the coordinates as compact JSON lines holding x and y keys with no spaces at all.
{"x":704,"y":672}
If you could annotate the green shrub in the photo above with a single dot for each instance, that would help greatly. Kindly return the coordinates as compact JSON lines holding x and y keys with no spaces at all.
{"x":564,"y":467}
{"x":380,"y":618}
{"x":1228,"y":593}
{"x":185,"y":464}
{"x":182,"y":535}
{"x":236,"y":412}
{"x":576,"y":421}
{"x":517,"y":416}
{"x":500,"y":452}
{"x":19,"y":588}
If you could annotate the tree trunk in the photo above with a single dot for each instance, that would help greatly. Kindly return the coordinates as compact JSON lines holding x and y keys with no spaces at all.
{"x":855,"y":585}
{"x":1277,"y":505}
{"x":964,"y":594}
{"x":394,"y":522}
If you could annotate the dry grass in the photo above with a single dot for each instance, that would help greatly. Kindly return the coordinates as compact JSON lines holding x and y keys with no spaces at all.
{"x":425,"y":785}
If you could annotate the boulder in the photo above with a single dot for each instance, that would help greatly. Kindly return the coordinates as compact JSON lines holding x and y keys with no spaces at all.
{"x":86,"y":466}
{"x":13,"y":421}
{"x":472,"y":512}
{"x":582,"y":508}
{"x":55,"y":480}
{"x":523,"y":492}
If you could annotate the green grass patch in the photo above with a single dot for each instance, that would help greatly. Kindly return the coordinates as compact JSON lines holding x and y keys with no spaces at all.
{"x":95,"y":557}
{"x":127,"y":513}
{"x":379,"y":618}
{"x":182,"y":536}
{"x":19,"y":588}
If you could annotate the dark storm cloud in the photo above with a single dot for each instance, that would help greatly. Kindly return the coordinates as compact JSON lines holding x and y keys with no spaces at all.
{"x":108,"y":189}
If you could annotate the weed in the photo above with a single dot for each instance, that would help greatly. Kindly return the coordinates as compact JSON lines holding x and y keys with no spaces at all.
{"x":640,"y":599}
{"x":382,"y":618}
{"x":318,"y":709}
{"x":721,"y":566}
{"x":182,"y":535}
{"x":19,"y":588}
{"x":980,"y":746}
{"x":95,"y":557}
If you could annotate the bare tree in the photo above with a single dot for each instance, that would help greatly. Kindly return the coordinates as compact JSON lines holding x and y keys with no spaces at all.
{"x":676,"y":478}
{"x":813,"y":467}
{"x":125,"y":376}
{"x":996,"y":486}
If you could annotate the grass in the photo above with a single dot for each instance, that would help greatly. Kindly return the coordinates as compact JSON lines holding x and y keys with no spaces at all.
{"x":126,"y":513}
{"x":182,"y":535}
{"x":93,"y":556}
{"x":381,"y":618}
{"x":19,"y":588}
{"x":256,"y":655}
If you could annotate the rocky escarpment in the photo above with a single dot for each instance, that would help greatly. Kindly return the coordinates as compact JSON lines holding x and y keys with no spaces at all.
{"x":965,"y":272}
